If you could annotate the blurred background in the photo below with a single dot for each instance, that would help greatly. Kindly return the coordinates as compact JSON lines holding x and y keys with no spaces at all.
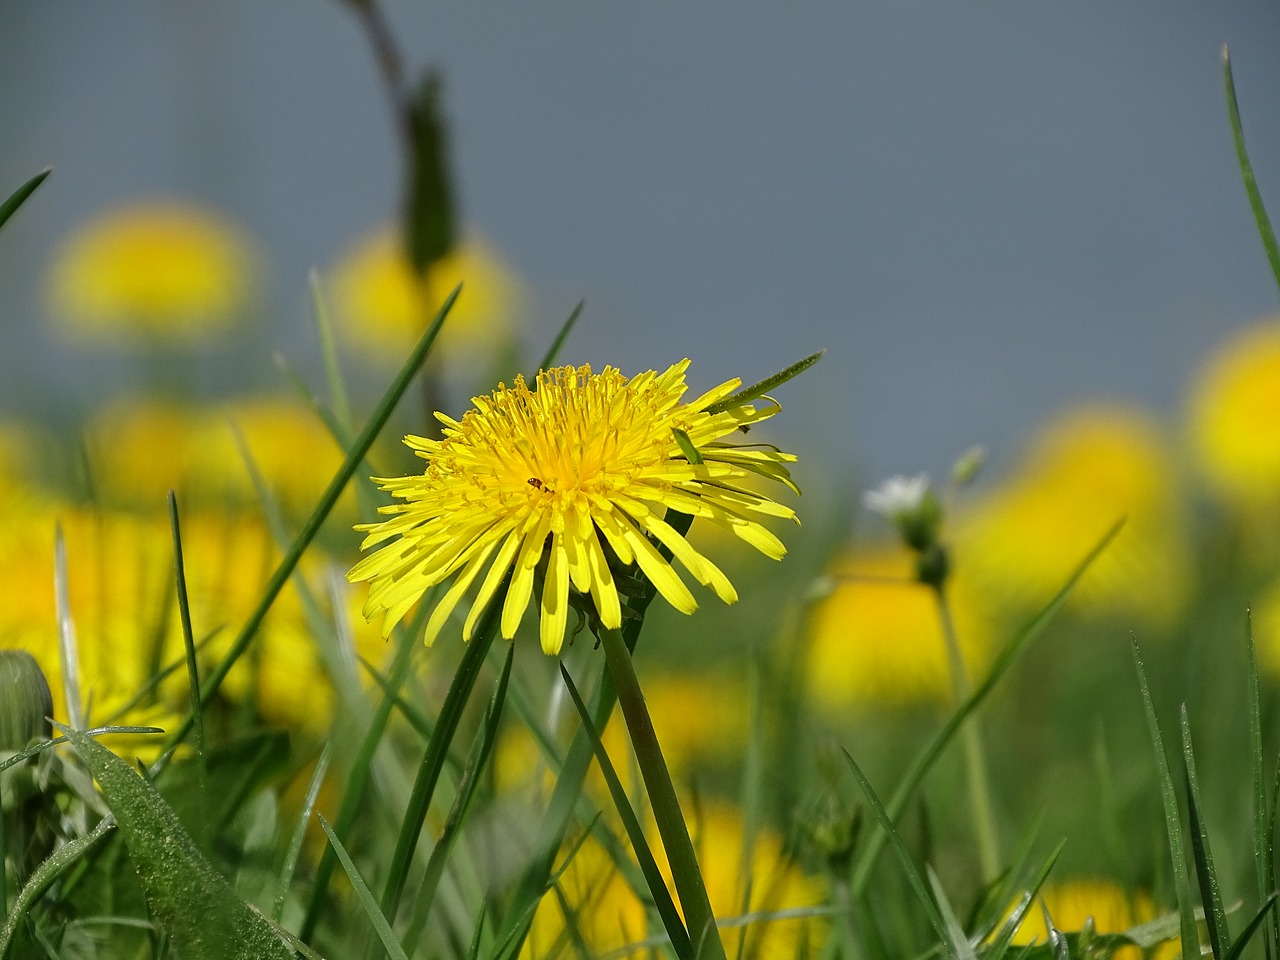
{"x":983,"y":211}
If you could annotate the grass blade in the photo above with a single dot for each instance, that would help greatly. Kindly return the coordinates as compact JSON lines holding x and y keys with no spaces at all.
{"x":364,"y":895}
{"x":19,"y":196}
{"x":68,"y":649}
{"x":904,"y":855}
{"x":300,"y":833}
{"x":666,"y":907}
{"x":1173,"y":823}
{"x":686,"y":446}
{"x":759,"y":389}
{"x":1210,"y":892}
{"x":328,"y":348}
{"x":558,"y":343}
{"x":1263,"y":840}
{"x":322,"y":509}
{"x":956,"y":940}
{"x":1000,"y":945}
{"x":1237,"y":948}
{"x":924,"y":762}
{"x":1260,"y":217}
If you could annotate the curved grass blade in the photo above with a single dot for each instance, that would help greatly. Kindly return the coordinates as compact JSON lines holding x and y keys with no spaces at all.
{"x":19,"y":196}
{"x":1237,"y":948}
{"x":558,"y":343}
{"x":466,"y":791}
{"x":666,"y":907}
{"x":193,"y":901}
{"x":322,"y":509}
{"x":1210,"y":892}
{"x":1263,"y":839}
{"x":904,"y":856}
{"x":300,"y":833}
{"x":364,"y":895}
{"x":924,"y":762}
{"x":44,"y":876}
{"x":1260,"y":217}
{"x":1173,"y":824}
{"x":193,"y":674}
{"x":43,"y":745}
{"x":757,"y":390}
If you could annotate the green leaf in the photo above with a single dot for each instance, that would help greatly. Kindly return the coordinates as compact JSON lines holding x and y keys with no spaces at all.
{"x":19,"y":196}
{"x":666,"y":907}
{"x":1003,"y":662}
{"x":429,"y":217}
{"x":686,"y":446}
{"x":191,"y":900}
{"x":1173,"y":823}
{"x":747,"y":394}
{"x":364,"y":895}
{"x":1210,"y":892}
{"x":903,"y":854}
{"x":557,"y":344}
{"x":1260,"y":217}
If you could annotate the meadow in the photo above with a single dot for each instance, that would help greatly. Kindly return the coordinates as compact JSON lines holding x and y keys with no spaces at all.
{"x":572,"y":671}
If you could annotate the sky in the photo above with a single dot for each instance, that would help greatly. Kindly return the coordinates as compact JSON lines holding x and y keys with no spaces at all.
{"x":984,"y":212}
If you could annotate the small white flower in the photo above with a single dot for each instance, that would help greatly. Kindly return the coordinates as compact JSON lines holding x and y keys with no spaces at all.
{"x":897,"y":496}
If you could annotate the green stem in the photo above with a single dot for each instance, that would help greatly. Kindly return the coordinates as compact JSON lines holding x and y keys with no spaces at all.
{"x":690,"y":888}
{"x":984,"y":824}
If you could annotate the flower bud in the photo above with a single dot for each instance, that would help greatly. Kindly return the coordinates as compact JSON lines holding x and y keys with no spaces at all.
{"x":25,"y":700}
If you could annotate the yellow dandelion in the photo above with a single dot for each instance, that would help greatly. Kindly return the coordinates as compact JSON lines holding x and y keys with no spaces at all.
{"x":1234,"y":418}
{"x":1074,"y":903}
{"x":599,"y":905}
{"x":580,"y":469}
{"x":1087,"y":470}
{"x":382,"y":306}
{"x":155,"y":270}
{"x":877,"y":638}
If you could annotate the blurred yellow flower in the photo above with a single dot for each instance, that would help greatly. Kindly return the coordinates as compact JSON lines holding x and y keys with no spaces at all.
{"x":877,"y":638}
{"x":1072,"y":903}
{"x":1087,"y":469}
{"x":608,"y":916}
{"x":382,"y":306}
{"x":153,"y":270}
{"x":1234,"y":418}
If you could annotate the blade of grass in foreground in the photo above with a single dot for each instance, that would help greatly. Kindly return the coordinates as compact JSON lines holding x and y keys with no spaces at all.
{"x":666,"y":907}
{"x":203,"y":835}
{"x":1246,"y":169}
{"x":1173,"y":823}
{"x":1237,"y":948}
{"x":759,"y":389}
{"x":1263,"y":841}
{"x":557,"y":344}
{"x":926,"y":759}
{"x":300,"y":833}
{"x":19,"y":196}
{"x":1210,"y":892}
{"x":322,"y":509}
{"x":365,"y":895}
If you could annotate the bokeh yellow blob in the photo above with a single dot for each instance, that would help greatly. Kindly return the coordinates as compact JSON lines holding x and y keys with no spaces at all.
{"x":877,"y":638}
{"x":1071,"y":904}
{"x":1085,"y":471}
{"x":154,"y":270}
{"x":383,"y":307}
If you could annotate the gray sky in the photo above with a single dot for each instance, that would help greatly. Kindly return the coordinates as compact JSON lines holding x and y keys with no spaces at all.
{"x":983,"y":211}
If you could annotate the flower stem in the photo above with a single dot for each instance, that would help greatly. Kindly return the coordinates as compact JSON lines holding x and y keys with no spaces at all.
{"x":984,"y":824}
{"x":690,"y":888}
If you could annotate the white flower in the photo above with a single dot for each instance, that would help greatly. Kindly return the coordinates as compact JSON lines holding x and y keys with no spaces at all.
{"x":897,"y":496}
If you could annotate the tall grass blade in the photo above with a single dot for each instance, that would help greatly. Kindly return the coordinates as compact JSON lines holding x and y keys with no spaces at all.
{"x":1260,"y":217}
{"x":957,"y":942}
{"x":300,"y":833}
{"x":924,"y":762}
{"x":193,"y":901}
{"x":338,"y":397}
{"x":1237,"y":948}
{"x":899,"y":848}
{"x":997,"y":898}
{"x":1263,"y":838}
{"x":760,"y":388}
{"x":364,"y":895}
{"x":1000,"y":946}
{"x":436,"y":754}
{"x":68,"y":649}
{"x":322,"y":509}
{"x":1210,"y":892}
{"x":1173,"y":823}
{"x":666,"y":907}
{"x":19,"y":196}
{"x":557,"y":344}
{"x":193,"y":675}
{"x":480,"y":753}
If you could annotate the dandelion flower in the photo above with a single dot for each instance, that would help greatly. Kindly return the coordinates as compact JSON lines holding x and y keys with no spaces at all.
{"x":382,"y":306}
{"x":1087,"y":470}
{"x":1074,"y":903}
{"x":877,"y":639}
{"x":154,"y":270}
{"x":580,"y":470}
{"x":1235,"y":418}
